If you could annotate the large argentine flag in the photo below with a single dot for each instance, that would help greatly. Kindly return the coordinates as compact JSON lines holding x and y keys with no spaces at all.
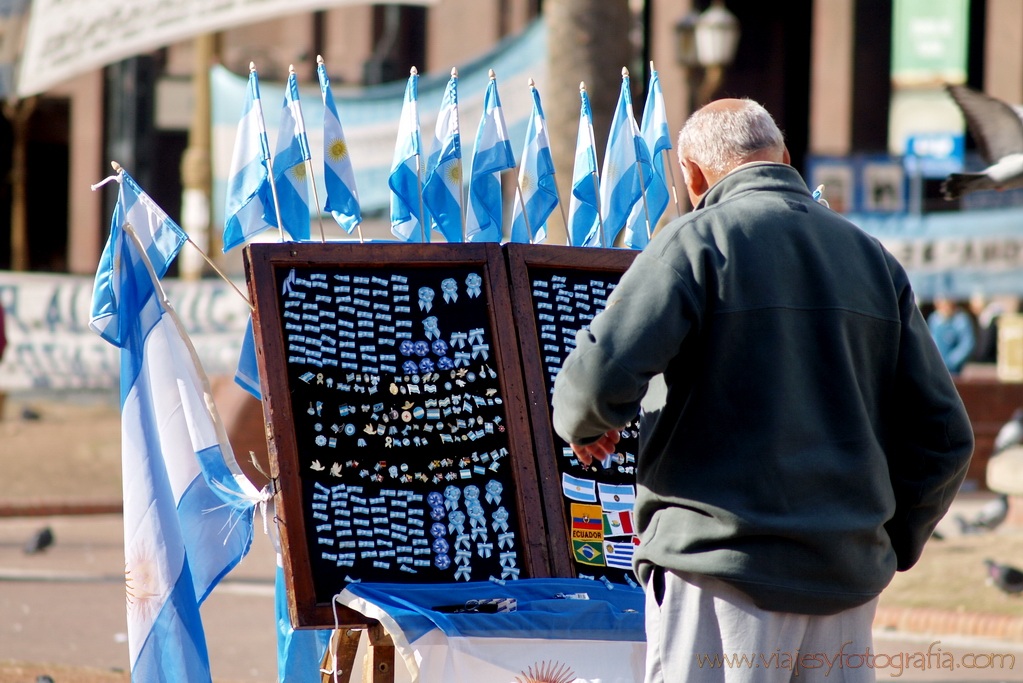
{"x":546,"y":638}
{"x":187,"y":507}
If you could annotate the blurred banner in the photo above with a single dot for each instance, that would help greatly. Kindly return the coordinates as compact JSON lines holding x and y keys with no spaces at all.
{"x":50,"y":345}
{"x":69,"y":37}
{"x":956,"y":254}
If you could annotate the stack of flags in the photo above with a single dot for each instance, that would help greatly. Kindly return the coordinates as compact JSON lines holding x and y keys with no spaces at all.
{"x":434,"y":195}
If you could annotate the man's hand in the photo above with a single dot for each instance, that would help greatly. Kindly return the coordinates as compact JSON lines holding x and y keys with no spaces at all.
{"x":599,"y":449}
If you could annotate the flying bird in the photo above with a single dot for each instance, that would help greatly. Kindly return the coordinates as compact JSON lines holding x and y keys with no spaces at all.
{"x":997,"y":128}
{"x":1006,"y":578}
{"x":40,"y":541}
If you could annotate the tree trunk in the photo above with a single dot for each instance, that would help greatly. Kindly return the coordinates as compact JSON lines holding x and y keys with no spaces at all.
{"x":587,"y":41}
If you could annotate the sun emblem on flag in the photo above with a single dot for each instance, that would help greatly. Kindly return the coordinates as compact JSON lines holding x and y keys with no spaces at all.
{"x":143,"y":583}
{"x":527,"y":182}
{"x":337,"y":149}
{"x":454,"y":172}
{"x":547,"y":672}
{"x":298,"y":171}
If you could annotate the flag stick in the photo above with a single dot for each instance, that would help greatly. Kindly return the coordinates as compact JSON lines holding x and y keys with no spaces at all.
{"x":564,"y":216}
{"x":671,"y":169}
{"x":277,"y":202}
{"x":646,"y":207}
{"x":316,"y":198}
{"x":301,"y":123}
{"x":596,"y":178}
{"x":220,"y":273}
{"x":419,"y":191}
{"x":118,"y":169}
{"x":358,"y":227}
{"x":461,"y":196}
{"x":144,"y":257}
{"x":561,"y":206}
{"x":269,"y":161}
{"x":674,"y":190}
{"x":522,"y":204}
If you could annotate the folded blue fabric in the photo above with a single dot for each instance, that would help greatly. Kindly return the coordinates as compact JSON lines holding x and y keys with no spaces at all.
{"x":607,"y":615}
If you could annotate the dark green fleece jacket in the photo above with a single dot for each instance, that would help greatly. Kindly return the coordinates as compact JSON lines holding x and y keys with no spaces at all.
{"x":807,"y":437}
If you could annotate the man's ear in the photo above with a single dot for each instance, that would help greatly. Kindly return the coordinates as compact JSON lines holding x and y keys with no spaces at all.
{"x":696,"y":180}
{"x":786,"y":158}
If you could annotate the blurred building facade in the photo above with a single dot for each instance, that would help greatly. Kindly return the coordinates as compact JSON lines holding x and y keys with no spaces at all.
{"x":822,"y":67}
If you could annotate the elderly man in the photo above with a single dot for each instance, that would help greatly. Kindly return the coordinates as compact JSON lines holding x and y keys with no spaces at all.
{"x":800,"y":438}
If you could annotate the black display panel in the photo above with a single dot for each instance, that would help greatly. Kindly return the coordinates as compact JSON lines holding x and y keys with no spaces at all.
{"x":398,"y":434}
{"x":557,"y":291}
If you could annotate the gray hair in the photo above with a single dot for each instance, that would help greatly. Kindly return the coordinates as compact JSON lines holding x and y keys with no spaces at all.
{"x":721,"y":139}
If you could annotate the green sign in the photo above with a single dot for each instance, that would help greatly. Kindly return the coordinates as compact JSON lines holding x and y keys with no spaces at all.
{"x":929,"y":42}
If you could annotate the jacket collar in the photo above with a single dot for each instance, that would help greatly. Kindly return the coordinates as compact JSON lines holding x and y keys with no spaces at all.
{"x":753,"y":177}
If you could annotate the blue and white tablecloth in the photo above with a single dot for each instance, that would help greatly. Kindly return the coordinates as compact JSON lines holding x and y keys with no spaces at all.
{"x":546,"y":639}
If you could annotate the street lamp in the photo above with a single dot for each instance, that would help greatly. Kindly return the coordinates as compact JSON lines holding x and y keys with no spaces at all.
{"x":706,"y":43}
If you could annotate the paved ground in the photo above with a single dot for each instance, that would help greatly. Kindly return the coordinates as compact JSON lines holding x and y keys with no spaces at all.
{"x":62,"y":611}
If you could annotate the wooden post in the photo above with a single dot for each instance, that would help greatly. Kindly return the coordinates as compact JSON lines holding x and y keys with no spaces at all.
{"x":195,"y":163}
{"x":344,"y":643}
{"x":381,"y":655}
{"x":18,"y":113}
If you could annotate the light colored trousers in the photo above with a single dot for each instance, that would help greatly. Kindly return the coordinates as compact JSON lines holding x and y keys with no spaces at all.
{"x":703,"y":630}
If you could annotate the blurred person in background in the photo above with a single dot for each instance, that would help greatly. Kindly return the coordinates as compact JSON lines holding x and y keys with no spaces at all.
{"x":952,"y":331}
{"x":986,"y":314}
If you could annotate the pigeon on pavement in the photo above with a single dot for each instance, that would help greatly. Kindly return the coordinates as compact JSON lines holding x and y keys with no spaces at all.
{"x":966,"y":526}
{"x":997,"y":127}
{"x":1006,"y":578}
{"x":992,"y":514}
{"x":988,"y":518}
{"x":40,"y":541}
{"x":1010,"y":434}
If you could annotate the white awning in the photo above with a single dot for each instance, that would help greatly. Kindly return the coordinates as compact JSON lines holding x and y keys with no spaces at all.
{"x":69,"y":37}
